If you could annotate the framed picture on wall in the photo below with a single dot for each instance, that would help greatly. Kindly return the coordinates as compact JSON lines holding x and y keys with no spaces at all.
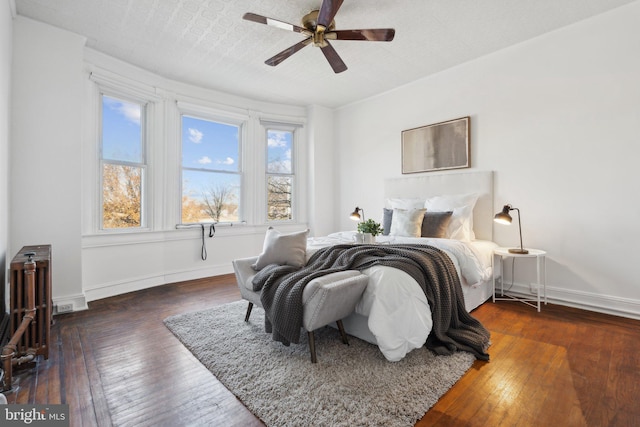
{"x":439,"y":146}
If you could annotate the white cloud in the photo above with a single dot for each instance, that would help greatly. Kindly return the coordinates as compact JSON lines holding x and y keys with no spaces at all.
{"x":227,"y":161}
{"x":277,"y":139}
{"x":195,"y":136}
{"x":129,"y":110}
{"x":204,"y":160}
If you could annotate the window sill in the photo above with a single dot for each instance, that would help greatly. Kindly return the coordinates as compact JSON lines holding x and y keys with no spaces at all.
{"x":146,"y":236}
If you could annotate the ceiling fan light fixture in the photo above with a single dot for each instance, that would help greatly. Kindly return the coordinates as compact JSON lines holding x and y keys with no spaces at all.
{"x":319,"y":27}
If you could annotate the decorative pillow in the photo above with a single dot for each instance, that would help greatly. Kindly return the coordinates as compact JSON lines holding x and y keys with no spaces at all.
{"x":461,"y":225}
{"x":387,"y":215}
{"x":283,"y":249}
{"x":407,"y":222}
{"x":436,"y":224}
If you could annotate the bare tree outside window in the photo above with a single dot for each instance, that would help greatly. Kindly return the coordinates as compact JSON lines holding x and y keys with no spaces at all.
{"x":217,"y":199}
{"x":279,"y":197}
{"x":121,"y":196}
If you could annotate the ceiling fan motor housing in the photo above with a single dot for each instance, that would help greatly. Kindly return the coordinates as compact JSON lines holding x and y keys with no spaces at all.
{"x":310,"y":22}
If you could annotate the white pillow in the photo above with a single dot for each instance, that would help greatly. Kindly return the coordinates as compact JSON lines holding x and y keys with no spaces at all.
{"x":407,"y":222}
{"x":406,"y":204}
{"x":283,"y":249}
{"x":448,"y":202}
{"x":461,"y":225}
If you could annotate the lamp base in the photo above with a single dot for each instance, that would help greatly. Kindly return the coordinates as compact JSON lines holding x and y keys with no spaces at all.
{"x":518,"y":251}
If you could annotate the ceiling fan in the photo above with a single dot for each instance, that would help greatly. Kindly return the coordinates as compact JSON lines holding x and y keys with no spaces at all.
{"x":319,"y":27}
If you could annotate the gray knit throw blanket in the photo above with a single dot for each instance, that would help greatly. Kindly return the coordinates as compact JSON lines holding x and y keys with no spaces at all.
{"x":453,"y":327}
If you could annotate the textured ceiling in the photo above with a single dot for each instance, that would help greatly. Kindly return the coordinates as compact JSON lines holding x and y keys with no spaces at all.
{"x":208,"y":44}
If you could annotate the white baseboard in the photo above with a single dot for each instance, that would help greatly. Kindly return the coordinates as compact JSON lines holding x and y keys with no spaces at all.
{"x":616,"y":306}
{"x":624,"y":307}
{"x":110,"y":289}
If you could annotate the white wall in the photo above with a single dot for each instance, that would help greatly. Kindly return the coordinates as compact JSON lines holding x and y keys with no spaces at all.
{"x":557,"y":119}
{"x":45,"y":148}
{"x":6,"y":30}
{"x":323,"y":172}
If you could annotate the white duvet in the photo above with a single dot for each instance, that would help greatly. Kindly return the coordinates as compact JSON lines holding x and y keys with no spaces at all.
{"x":398,"y":312}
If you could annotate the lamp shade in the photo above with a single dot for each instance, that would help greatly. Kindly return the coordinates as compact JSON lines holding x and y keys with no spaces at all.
{"x":503,"y":217}
{"x":355,"y":215}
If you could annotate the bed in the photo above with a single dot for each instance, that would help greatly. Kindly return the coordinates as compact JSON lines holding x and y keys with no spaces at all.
{"x":396,"y":325}
{"x":394,"y":313}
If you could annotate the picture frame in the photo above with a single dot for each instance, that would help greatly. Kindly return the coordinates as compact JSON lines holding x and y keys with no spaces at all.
{"x":438,"y":146}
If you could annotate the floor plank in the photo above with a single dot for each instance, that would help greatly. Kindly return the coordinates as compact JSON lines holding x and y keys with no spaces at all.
{"x":117,"y":364}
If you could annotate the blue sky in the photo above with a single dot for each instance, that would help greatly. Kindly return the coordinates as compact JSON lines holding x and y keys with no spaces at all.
{"x":209,"y":146}
{"x":279,"y":151}
{"x":121,"y":130}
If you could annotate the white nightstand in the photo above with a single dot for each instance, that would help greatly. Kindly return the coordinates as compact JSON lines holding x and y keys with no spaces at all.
{"x":500,"y":254}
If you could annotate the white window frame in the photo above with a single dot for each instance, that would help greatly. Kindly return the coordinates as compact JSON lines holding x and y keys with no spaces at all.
{"x":203,"y":112}
{"x":287,"y":127}
{"x":106,"y":83}
{"x":143,"y":165}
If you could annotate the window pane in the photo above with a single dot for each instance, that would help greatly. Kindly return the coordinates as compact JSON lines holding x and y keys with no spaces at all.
{"x":279,"y":144}
{"x":121,"y":196}
{"x":209,"y":145}
{"x":121,"y":130}
{"x":210,"y":196}
{"x":279,"y":197}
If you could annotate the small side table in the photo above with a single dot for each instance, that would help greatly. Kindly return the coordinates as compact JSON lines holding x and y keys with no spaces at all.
{"x":499,"y":255}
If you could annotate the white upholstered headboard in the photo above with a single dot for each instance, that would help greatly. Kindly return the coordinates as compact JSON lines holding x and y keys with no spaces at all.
{"x":436,"y":184}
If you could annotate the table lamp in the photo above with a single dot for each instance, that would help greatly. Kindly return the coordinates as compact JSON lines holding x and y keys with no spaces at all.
{"x":503,"y":217}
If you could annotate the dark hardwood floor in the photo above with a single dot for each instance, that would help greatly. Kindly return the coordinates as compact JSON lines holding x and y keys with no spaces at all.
{"x":117,"y":364}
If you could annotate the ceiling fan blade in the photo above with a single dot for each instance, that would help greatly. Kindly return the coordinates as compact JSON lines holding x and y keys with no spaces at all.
{"x":276,"y":59}
{"x":372,"y":35}
{"x":274,"y":23}
{"x":328,"y":11}
{"x":334,"y":59}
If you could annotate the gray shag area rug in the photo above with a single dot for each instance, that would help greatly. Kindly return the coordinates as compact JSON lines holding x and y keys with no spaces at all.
{"x":350,"y":385}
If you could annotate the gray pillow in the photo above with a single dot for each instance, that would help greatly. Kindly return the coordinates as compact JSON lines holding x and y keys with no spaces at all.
{"x":283,"y":249}
{"x":387,"y":215}
{"x":435,"y":224}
